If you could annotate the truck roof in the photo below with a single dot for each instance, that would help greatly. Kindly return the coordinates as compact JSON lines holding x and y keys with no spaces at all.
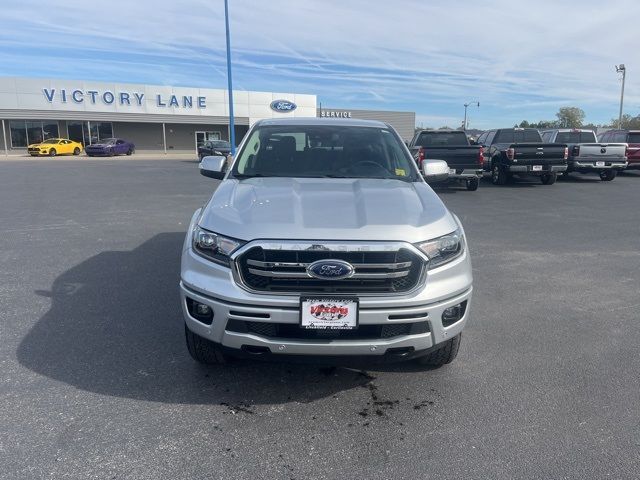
{"x":353,"y":122}
{"x":564,"y":130}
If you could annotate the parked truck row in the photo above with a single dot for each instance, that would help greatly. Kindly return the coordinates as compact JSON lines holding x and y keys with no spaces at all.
{"x":507,"y":153}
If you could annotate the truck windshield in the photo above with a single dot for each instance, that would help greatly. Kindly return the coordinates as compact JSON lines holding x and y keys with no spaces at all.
{"x":518,"y":136}
{"x":335,"y":151}
{"x":575,"y":137}
{"x":444,"y":139}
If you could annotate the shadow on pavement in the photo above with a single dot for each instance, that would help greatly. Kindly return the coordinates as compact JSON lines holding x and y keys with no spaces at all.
{"x":115,"y":328}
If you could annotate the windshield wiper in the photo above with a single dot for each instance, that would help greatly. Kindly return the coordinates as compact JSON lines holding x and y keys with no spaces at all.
{"x":242,"y":176}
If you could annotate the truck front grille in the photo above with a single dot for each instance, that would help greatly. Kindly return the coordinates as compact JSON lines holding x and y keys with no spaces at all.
{"x":284,"y":271}
{"x":293,"y":331}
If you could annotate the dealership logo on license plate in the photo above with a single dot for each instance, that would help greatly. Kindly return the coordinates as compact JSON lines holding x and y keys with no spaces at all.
{"x":329,"y":313}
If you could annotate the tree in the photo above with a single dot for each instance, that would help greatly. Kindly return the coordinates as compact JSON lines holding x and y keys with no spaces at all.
{"x":525,"y":124}
{"x":628,"y":122}
{"x":570,"y":117}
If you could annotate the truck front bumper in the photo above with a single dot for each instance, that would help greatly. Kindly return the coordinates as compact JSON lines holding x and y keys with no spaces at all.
{"x":221,"y":331}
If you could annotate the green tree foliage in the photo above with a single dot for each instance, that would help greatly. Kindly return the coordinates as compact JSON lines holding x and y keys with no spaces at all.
{"x":570,"y":117}
{"x":628,"y":122}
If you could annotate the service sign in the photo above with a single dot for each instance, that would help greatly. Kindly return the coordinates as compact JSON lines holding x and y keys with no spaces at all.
{"x":329,"y":313}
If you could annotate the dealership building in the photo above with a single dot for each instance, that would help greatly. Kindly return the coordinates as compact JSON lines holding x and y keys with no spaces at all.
{"x":153,"y":117}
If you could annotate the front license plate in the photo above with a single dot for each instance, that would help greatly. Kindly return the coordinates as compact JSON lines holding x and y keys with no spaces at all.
{"x":537,"y":168}
{"x":599,"y":164}
{"x":329,"y":313}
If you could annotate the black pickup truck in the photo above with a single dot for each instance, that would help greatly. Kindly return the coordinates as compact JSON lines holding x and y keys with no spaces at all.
{"x":520,"y":151}
{"x":214,"y":147}
{"x":464,"y":160}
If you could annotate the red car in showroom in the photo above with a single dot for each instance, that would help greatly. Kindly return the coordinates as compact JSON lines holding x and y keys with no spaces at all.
{"x":110,"y":147}
{"x":630,"y":137}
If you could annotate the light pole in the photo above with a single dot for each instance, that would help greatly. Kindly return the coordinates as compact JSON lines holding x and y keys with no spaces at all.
{"x":621,"y":69}
{"x":464,"y":125}
{"x":232,"y":128}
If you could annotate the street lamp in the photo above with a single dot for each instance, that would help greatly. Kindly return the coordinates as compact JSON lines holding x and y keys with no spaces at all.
{"x":621,"y":69}
{"x":232,"y":129}
{"x":464,"y":125}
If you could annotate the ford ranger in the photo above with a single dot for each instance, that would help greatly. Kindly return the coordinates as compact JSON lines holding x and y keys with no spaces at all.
{"x":324,"y":241}
{"x":586,"y":155}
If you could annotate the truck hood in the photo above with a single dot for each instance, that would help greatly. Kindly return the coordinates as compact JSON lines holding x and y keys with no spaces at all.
{"x":326,"y":209}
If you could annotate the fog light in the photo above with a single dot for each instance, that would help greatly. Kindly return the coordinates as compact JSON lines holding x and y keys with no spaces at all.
{"x":200,"y":311}
{"x":452,"y":314}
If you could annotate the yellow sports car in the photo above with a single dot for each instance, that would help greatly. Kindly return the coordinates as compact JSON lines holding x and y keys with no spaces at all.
{"x":55,"y":146}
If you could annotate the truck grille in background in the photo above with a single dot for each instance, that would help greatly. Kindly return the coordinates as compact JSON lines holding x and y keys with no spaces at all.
{"x":285,"y":271}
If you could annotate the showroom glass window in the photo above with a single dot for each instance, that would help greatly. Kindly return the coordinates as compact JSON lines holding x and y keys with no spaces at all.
{"x":18,"y":133}
{"x":34,"y":131}
{"x":100,"y":131}
{"x":50,"y":129}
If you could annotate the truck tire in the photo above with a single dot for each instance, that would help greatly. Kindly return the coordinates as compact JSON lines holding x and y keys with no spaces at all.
{"x":608,"y":175}
{"x":443,"y":355}
{"x":472,"y":185}
{"x":202,"y":350}
{"x":549,"y":178}
{"x":498,"y":175}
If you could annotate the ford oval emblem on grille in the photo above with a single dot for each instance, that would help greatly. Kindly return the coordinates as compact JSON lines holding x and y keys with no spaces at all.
{"x":283,"y":106}
{"x":330,"y":270}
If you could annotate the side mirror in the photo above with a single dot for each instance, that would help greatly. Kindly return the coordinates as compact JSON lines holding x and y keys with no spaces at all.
{"x":435,"y":171}
{"x":213,"y":167}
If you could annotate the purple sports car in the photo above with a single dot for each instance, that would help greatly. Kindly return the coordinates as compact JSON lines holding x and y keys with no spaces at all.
{"x":111,"y":147}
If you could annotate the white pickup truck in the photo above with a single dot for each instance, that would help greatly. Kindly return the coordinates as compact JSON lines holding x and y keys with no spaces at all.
{"x":586,"y":155}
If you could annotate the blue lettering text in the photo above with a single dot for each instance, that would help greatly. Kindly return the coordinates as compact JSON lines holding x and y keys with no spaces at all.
{"x":108,"y":98}
{"x":139,"y":97}
{"x":93,"y":94}
{"x":159,"y":102}
{"x":174,"y":101}
{"x":75,"y":94}
{"x":201,"y":102}
{"x":187,"y":102}
{"x":49,"y":94}
{"x":124,"y":97}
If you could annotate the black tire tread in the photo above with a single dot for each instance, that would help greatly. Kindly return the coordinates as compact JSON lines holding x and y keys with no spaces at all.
{"x":443,"y":355}
{"x":202,"y":350}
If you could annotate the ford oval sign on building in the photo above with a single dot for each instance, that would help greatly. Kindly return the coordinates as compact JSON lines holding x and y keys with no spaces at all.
{"x":283,"y":106}
{"x":330,"y":270}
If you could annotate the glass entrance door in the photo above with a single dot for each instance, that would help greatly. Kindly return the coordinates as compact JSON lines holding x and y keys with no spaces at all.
{"x":202,"y":137}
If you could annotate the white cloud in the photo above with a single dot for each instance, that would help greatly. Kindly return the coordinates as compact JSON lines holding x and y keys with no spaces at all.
{"x":520,"y":59}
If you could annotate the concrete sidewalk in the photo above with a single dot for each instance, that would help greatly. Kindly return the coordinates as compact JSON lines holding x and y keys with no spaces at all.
{"x":145,"y":155}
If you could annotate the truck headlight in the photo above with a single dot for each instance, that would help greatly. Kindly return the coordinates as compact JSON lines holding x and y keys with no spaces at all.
{"x":212,"y":246}
{"x":443,"y":249}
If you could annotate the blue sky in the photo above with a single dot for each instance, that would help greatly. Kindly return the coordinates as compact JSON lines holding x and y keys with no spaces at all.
{"x":521,"y":60}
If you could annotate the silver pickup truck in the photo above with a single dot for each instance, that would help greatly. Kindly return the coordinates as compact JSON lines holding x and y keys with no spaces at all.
{"x":587,"y":155}
{"x":324,"y":241}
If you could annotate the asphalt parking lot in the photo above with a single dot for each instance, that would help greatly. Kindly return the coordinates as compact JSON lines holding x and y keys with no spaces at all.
{"x":96,"y":381}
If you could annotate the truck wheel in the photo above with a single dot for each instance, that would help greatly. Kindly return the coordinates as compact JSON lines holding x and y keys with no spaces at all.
{"x":498,"y":175}
{"x":549,"y":178}
{"x":203,"y":350}
{"x":608,"y":175}
{"x":472,"y":185}
{"x":443,"y":355}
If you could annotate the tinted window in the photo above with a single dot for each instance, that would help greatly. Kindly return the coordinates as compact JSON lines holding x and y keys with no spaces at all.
{"x":330,"y":151}
{"x":220,"y":144}
{"x":575,"y":137}
{"x":445,"y":139}
{"x":634,"y":137}
{"x":518,"y":136}
{"x":490,"y":137}
{"x":620,"y":137}
{"x":482,"y":138}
